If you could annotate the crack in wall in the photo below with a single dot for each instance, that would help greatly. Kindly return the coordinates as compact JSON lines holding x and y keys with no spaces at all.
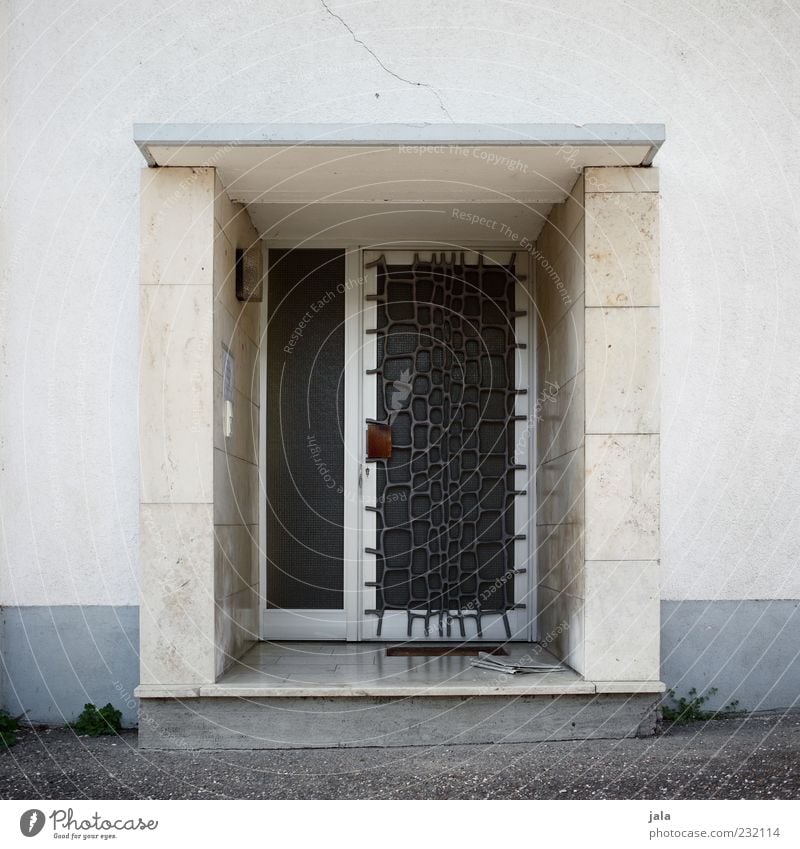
{"x":375,"y":56}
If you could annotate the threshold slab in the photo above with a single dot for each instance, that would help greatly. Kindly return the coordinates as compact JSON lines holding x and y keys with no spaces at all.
{"x":357,"y":670}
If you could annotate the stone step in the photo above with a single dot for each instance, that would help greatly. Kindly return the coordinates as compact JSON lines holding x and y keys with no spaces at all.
{"x":373,"y":721}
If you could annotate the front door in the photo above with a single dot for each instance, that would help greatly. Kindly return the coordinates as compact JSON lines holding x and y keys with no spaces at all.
{"x":421,"y":361}
{"x":446,"y":470}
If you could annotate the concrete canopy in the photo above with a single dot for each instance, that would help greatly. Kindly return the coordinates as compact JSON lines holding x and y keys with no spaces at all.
{"x":387,"y":181}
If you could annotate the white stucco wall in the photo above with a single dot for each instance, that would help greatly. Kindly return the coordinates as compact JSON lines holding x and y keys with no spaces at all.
{"x":723,"y":76}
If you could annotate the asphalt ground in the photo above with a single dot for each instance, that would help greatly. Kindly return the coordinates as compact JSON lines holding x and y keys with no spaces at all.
{"x":746,"y":758}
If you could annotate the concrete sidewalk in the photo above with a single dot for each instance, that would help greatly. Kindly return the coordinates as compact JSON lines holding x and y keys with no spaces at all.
{"x":753,"y":758}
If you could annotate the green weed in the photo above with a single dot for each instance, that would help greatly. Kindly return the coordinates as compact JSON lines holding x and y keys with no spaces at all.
{"x":689,"y":708}
{"x":94,"y":722}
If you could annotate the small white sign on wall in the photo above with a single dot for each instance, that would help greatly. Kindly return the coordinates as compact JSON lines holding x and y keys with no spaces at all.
{"x":227,"y":390}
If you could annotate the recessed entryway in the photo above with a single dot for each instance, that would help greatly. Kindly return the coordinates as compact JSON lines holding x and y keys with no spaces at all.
{"x":511,"y":490}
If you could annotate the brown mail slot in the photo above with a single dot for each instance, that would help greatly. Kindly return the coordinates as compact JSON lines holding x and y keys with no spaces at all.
{"x":379,"y":441}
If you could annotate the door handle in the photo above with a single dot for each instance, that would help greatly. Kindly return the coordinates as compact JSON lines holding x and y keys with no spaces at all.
{"x":379,"y":440}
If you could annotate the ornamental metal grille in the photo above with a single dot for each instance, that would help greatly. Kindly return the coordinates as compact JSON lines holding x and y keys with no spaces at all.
{"x":445,"y":498}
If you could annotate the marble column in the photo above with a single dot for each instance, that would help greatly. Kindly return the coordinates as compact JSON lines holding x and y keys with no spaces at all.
{"x":621,"y":571}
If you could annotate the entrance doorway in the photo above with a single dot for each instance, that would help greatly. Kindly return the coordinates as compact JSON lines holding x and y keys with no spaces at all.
{"x":397,"y":446}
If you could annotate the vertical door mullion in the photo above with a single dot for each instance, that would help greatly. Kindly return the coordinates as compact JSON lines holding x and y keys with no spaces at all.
{"x":262,"y":449}
{"x":352,"y":442}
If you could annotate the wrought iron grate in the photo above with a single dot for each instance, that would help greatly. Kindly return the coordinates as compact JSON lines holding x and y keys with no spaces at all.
{"x":445,"y":498}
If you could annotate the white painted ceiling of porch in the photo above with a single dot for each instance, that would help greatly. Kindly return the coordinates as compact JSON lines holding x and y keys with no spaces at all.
{"x":396,"y":191}
{"x":390,"y":222}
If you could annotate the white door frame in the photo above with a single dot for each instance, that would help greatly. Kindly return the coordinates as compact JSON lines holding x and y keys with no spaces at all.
{"x":350,"y":623}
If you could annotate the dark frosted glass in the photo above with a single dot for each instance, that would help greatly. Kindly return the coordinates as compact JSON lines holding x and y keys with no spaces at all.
{"x":305,"y":426}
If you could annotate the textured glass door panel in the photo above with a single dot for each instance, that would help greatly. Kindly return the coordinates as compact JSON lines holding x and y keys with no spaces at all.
{"x":305,"y":429}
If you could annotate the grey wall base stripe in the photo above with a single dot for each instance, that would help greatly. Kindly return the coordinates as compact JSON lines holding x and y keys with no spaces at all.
{"x":748,"y":649}
{"x":55,"y":659}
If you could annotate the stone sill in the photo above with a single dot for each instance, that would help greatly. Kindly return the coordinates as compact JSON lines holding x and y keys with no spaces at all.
{"x":539,"y":688}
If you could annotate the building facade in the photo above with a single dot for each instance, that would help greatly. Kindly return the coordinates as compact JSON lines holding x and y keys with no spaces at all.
{"x":629,"y":175}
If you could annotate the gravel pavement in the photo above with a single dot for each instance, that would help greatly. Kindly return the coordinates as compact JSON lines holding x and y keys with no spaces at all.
{"x":751,"y":758}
